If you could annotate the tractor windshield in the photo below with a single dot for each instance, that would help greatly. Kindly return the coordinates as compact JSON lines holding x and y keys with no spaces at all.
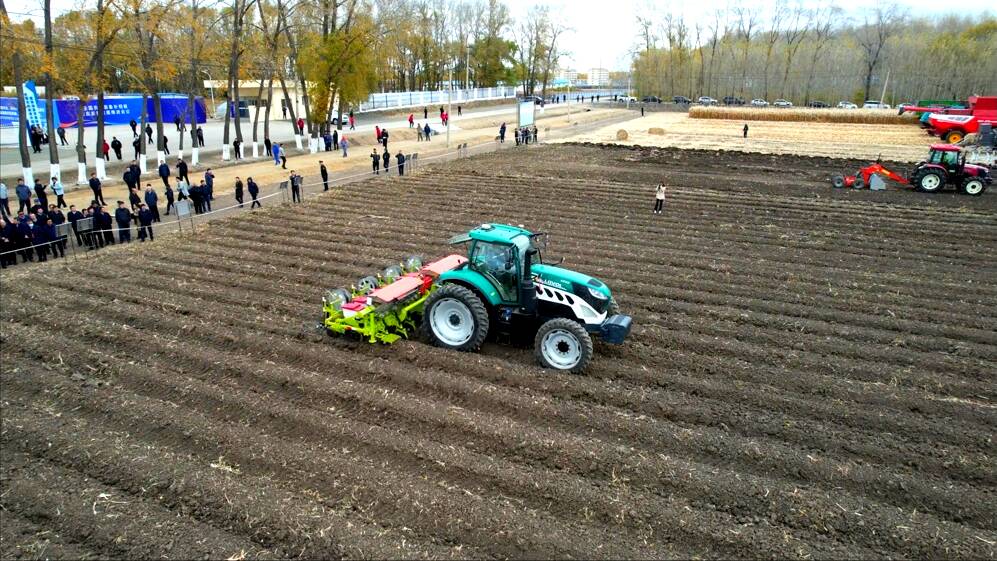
{"x":499,"y":264}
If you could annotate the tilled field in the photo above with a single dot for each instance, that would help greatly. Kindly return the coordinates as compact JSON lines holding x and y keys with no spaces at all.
{"x":811,"y":375}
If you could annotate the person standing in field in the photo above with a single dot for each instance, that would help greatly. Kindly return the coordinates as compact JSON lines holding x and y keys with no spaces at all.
{"x":116,"y":146}
{"x":276,"y":153}
{"x":375,"y":160}
{"x":209,"y":180}
{"x":400,"y":158}
{"x":387,"y":161}
{"x":254,"y":191}
{"x":152,"y":201}
{"x":427,"y":132}
{"x":238,"y":191}
{"x":60,"y":192}
{"x":411,"y":120}
{"x":268,"y":146}
{"x":145,"y":219}
{"x":324,"y":172}
{"x":745,"y":130}
{"x":98,"y":194}
{"x":344,"y":145}
{"x":659,"y":198}
{"x":169,"y":198}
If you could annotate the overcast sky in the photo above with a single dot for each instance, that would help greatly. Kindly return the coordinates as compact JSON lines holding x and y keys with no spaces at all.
{"x":604,"y":32}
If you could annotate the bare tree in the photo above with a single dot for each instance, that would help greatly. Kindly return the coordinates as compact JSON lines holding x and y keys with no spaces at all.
{"x":793,"y":35}
{"x":823,"y":20}
{"x":872,"y":38}
{"x":747,"y":22}
{"x":771,"y":38}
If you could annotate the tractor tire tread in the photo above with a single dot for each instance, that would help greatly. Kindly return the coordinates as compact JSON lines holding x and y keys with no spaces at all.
{"x":577,"y":330}
{"x":475,"y":305}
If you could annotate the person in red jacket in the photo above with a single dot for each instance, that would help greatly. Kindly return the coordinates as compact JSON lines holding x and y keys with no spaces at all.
{"x":106,"y":148}
{"x":301,"y":126}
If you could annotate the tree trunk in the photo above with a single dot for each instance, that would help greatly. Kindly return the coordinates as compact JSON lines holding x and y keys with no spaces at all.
{"x":266,"y":112}
{"x":144,"y":121}
{"x":290,"y":110}
{"x":81,"y":150}
{"x":22,"y":121}
{"x":157,"y":106}
{"x":256,"y":114}
{"x":53,"y":144}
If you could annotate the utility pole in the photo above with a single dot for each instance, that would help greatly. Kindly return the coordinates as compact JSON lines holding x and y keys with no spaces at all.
{"x":569,"y":99}
{"x":882,"y":96}
{"x":467,"y":65}
{"x":449,"y":103}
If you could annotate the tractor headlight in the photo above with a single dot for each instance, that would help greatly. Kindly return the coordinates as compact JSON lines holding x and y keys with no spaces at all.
{"x":596,"y":294}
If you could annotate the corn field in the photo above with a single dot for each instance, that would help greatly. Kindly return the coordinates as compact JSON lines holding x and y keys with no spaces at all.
{"x":863,"y":116}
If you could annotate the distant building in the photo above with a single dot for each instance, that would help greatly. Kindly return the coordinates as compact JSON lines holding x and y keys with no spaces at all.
{"x":598,"y":77}
{"x":566,"y":75}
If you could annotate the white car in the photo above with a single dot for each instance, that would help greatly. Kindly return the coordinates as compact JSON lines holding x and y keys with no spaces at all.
{"x":847,"y":105}
{"x":627,"y":99}
{"x":707,"y":100}
{"x":759,"y":103}
{"x":782,"y":103}
{"x":873,"y":104}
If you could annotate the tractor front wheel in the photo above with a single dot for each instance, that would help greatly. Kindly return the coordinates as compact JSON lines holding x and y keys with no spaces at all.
{"x":563,"y":344}
{"x":929,"y":180}
{"x":859,"y":181}
{"x":455,"y":318}
{"x":973,"y":186}
{"x":838,"y":181}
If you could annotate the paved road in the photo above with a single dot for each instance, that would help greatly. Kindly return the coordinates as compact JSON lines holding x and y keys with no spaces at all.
{"x":281,"y":131}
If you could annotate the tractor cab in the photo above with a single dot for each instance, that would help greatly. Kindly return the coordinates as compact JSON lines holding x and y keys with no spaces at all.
{"x":945,"y":155}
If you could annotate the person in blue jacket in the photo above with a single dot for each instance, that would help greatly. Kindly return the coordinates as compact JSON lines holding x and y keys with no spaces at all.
{"x":152,"y":202}
{"x":164,"y":173}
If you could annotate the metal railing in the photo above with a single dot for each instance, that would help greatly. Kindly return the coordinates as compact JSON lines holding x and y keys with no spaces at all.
{"x":388,"y":100}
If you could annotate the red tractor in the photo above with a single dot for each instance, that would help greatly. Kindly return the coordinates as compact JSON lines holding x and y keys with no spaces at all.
{"x":946,"y":165}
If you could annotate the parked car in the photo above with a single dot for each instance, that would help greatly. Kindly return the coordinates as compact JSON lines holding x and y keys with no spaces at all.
{"x":873,"y":104}
{"x":759,"y":103}
{"x":731,"y":100}
{"x":706,"y":100}
{"x":681,"y":99}
{"x":847,"y":105}
{"x":628,"y":99}
{"x":817,"y":104}
{"x":782,"y":103}
{"x":651,"y":99}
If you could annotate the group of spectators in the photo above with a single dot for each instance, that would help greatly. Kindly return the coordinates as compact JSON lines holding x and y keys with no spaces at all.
{"x":34,"y":231}
{"x":524,"y":135}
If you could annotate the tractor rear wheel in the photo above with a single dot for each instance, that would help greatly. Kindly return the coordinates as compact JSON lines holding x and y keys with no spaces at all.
{"x":973,"y":186}
{"x":563,"y":344}
{"x":929,"y":180}
{"x":952,"y":137}
{"x":859,"y":182}
{"x":455,"y":318}
{"x":838,"y":181}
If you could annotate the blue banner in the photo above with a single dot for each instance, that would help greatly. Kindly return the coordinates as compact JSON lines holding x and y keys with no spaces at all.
{"x":119,"y":109}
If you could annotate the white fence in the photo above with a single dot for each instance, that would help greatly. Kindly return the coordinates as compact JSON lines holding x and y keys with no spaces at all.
{"x":379,"y":101}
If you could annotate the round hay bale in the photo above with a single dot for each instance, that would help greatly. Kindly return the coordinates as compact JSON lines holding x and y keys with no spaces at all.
{"x":656,"y":130}
{"x":622,"y":134}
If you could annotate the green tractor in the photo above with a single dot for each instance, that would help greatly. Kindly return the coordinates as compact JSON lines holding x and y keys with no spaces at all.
{"x":501,"y":286}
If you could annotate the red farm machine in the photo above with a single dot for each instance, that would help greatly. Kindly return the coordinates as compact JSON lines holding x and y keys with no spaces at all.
{"x":952,"y":124}
{"x":946,"y":165}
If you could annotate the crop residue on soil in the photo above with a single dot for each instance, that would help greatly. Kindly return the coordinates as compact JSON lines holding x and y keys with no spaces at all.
{"x":810,"y":376}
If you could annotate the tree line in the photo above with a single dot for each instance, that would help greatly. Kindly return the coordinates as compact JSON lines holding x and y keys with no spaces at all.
{"x":805,"y":54}
{"x":335,"y":51}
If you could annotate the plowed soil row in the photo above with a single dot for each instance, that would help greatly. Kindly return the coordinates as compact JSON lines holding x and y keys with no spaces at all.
{"x":809,"y":375}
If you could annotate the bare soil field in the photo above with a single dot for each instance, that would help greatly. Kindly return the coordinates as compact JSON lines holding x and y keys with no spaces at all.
{"x":905,"y":143}
{"x":810,"y":375}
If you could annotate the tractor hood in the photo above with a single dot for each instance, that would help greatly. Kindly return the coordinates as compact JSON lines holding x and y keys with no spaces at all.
{"x":571,"y":281}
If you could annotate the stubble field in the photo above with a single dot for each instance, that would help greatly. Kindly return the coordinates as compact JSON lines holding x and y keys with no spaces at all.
{"x":810,"y":375}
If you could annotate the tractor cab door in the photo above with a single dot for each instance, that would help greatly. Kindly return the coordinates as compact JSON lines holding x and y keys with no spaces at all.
{"x":500,"y":264}
{"x":951,"y":161}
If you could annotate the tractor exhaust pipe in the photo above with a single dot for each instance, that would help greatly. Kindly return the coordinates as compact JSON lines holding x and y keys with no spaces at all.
{"x":527,"y":288}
